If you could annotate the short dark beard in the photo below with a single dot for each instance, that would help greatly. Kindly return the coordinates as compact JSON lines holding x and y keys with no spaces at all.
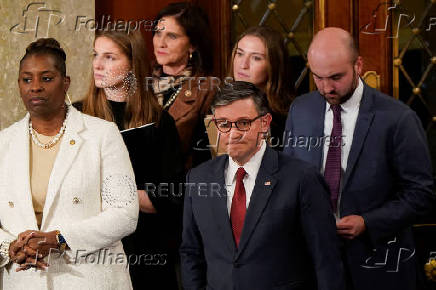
{"x":354,"y":85}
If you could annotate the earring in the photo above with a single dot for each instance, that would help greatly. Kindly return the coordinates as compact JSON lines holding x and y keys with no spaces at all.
{"x":69,"y":99}
{"x":190,"y":55}
{"x":129,"y":83}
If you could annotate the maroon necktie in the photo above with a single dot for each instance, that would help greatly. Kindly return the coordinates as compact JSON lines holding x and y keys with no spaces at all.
{"x":239,"y":206}
{"x":332,"y":171}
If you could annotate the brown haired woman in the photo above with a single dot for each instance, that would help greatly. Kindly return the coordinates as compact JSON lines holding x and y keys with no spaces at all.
{"x":183,"y":51}
{"x":118,"y":93}
{"x":261,"y":57}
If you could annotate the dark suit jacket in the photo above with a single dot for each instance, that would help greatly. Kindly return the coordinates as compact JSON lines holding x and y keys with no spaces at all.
{"x":289,"y":230}
{"x":388,"y":181}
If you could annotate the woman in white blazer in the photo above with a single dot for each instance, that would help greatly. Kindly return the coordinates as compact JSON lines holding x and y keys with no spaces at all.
{"x":67,"y":190}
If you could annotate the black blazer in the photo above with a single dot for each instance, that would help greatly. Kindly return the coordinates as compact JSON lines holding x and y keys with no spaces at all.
{"x":388,"y":181}
{"x":289,"y":230}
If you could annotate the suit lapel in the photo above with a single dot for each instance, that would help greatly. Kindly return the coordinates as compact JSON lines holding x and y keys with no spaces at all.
{"x":21,"y":162}
{"x":219,"y":204}
{"x":264,"y":185}
{"x":363,"y":123}
{"x":318,"y":130}
{"x":70,"y":145}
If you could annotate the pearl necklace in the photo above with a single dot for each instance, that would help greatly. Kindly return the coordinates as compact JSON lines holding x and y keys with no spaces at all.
{"x":53,"y":141}
{"x":172,"y":98}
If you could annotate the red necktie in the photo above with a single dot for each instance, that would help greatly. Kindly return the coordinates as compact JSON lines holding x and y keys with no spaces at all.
{"x":332,"y":171}
{"x":239,"y":206}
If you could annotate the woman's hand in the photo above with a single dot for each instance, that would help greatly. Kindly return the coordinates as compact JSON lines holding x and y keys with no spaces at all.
{"x":31,"y":247}
{"x":16,"y":253}
{"x":42,"y":243}
{"x":145,"y":204}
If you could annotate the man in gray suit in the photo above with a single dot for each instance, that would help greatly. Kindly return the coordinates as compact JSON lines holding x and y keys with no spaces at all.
{"x":373,"y":153}
{"x":256,"y":219}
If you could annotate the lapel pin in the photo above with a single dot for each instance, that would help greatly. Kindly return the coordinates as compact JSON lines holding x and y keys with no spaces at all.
{"x":72,"y":142}
{"x":188,"y":93}
{"x":267,"y":182}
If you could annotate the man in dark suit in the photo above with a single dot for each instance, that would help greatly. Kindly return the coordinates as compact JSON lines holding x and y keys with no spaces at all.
{"x":373,"y":154}
{"x":255,"y":218}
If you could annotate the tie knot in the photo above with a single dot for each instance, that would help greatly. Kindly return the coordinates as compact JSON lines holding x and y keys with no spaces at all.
{"x":240,"y":173}
{"x":336,"y":109}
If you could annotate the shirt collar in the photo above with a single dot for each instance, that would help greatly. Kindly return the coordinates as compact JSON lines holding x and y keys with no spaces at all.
{"x":352,"y":103}
{"x":251,"y":167}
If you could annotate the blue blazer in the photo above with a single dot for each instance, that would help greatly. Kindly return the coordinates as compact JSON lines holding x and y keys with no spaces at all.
{"x":388,"y":181}
{"x":289,"y":230}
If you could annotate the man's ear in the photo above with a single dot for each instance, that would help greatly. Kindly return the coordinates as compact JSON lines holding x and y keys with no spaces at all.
{"x":266,"y":122}
{"x":358,"y":65}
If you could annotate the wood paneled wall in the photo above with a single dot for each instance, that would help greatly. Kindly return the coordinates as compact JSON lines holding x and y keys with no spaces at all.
{"x":218,"y":12}
{"x":364,"y":20}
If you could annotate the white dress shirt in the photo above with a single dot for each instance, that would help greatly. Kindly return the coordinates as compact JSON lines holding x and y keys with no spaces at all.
{"x":349,"y":113}
{"x":251,"y":167}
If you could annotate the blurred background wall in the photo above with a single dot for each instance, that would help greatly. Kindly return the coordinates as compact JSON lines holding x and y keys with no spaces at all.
{"x":23,"y":21}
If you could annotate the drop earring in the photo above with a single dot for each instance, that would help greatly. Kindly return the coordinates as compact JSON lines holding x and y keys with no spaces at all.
{"x":130,"y":83}
{"x":69,"y":99}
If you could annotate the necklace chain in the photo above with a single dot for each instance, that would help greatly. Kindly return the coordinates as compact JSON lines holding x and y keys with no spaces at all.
{"x":53,"y":141}
{"x":172,"y":98}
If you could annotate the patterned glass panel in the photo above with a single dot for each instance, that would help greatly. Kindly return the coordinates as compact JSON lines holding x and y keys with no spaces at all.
{"x":414,"y":23}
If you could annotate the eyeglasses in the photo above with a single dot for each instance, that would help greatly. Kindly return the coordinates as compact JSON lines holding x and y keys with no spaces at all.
{"x":224,"y":126}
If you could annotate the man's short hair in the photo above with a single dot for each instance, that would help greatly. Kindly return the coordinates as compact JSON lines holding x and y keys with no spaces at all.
{"x":239,"y":90}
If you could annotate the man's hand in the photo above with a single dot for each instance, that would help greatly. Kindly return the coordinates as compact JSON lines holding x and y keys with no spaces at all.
{"x":350,"y":227}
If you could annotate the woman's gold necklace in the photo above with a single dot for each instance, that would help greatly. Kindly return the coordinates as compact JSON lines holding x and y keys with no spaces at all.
{"x":53,"y":141}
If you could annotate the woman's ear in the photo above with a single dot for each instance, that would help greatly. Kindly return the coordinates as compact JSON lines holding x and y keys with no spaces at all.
{"x":67,"y":82}
{"x":191,"y":49}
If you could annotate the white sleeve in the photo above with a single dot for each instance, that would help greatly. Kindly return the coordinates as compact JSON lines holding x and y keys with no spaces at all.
{"x":119,"y":197}
{"x":5,"y":239}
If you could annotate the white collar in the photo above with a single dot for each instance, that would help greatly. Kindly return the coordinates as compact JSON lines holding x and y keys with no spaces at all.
{"x":251,"y":167}
{"x":352,"y":103}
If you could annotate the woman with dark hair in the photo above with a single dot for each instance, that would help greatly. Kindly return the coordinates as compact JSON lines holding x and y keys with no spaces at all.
{"x":183,"y":51}
{"x":119,"y":93}
{"x":261,"y":57}
{"x":66,"y":185}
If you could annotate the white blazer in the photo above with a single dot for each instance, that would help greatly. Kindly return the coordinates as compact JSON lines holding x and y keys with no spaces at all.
{"x":91,"y":199}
